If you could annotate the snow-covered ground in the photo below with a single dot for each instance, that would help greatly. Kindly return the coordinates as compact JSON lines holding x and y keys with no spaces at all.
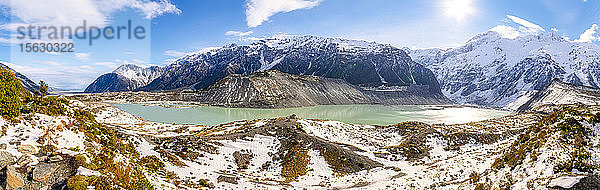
{"x":250,"y":154}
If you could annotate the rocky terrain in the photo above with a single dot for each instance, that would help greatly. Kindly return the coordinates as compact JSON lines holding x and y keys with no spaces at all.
{"x":494,"y":70}
{"x":125,"y":78}
{"x":559,"y":92}
{"x":274,"y":89}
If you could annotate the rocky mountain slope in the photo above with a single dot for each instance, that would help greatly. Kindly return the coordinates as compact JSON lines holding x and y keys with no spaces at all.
{"x":357,"y":62}
{"x":274,"y":89}
{"x":279,"y":90}
{"x":26,"y":82}
{"x":492,"y":70}
{"x":559,"y":92}
{"x":125,"y":78}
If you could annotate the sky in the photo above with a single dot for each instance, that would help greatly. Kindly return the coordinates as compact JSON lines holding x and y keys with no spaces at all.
{"x":174,"y":28}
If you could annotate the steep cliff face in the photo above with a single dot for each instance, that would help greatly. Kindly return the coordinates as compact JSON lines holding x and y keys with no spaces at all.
{"x":124,"y":78}
{"x":274,"y":89}
{"x":558,"y":92}
{"x":27,"y":83}
{"x":357,"y":62}
{"x":492,"y":70}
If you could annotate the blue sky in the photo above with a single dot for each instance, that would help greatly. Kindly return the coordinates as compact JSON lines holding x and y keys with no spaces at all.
{"x":177,"y":27}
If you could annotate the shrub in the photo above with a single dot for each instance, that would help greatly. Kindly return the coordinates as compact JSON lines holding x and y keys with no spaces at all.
{"x":77,"y":182}
{"x":53,"y":106}
{"x":152,"y":163}
{"x":11,"y":92}
{"x":43,"y":89}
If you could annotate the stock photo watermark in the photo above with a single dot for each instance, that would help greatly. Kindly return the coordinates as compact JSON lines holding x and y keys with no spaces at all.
{"x":44,"y":36}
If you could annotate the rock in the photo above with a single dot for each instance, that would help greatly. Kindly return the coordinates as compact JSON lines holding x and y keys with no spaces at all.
{"x":24,"y":160}
{"x":42,"y":171}
{"x":56,"y":158}
{"x":14,"y":179}
{"x":27,"y":149}
{"x":576,"y":182}
{"x":242,"y":160}
{"x":6,"y":159}
{"x":43,"y":159}
{"x":232,"y":180}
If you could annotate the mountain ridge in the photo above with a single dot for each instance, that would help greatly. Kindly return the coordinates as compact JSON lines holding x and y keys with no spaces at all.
{"x":126,"y":77}
{"x":491,"y":70}
{"x":558,"y":92}
{"x":27,"y":83}
{"x":358,"y":62}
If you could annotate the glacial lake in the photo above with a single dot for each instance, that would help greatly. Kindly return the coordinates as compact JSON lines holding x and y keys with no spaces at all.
{"x":354,"y":114}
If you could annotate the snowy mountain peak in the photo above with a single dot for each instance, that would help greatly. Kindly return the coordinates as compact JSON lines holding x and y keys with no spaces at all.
{"x":126,"y":77}
{"x":292,"y":41}
{"x":492,"y":69}
{"x":358,"y":62}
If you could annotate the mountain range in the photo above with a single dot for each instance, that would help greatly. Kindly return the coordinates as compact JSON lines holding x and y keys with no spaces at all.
{"x":490,"y":69}
{"x":362,"y":64}
{"x":493,"y":70}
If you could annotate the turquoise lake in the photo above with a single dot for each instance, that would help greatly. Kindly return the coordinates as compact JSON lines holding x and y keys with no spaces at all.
{"x":354,"y":114}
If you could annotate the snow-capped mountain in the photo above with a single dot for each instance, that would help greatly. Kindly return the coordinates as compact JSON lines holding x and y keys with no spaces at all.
{"x":358,"y":62}
{"x":493,"y":70}
{"x":125,"y":78}
{"x":27,"y":83}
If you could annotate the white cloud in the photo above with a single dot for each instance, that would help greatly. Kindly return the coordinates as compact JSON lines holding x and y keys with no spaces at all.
{"x":150,"y":9}
{"x":526,"y":26}
{"x":85,"y":57}
{"x":134,"y":61}
{"x":589,"y":35}
{"x":108,"y":64}
{"x":52,"y":53}
{"x":73,"y":12}
{"x":506,"y":31}
{"x":58,"y":75}
{"x":175,"y":53}
{"x":251,"y":39}
{"x":238,"y":33}
{"x":259,"y":11}
{"x":129,"y":52}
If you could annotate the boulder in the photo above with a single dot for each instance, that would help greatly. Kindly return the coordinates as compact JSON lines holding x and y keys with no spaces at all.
{"x":228,"y":179}
{"x":6,"y":159}
{"x":24,"y":160}
{"x":56,"y":158}
{"x":43,"y":171}
{"x":27,"y":149}
{"x":242,"y":160}
{"x":14,"y":179}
